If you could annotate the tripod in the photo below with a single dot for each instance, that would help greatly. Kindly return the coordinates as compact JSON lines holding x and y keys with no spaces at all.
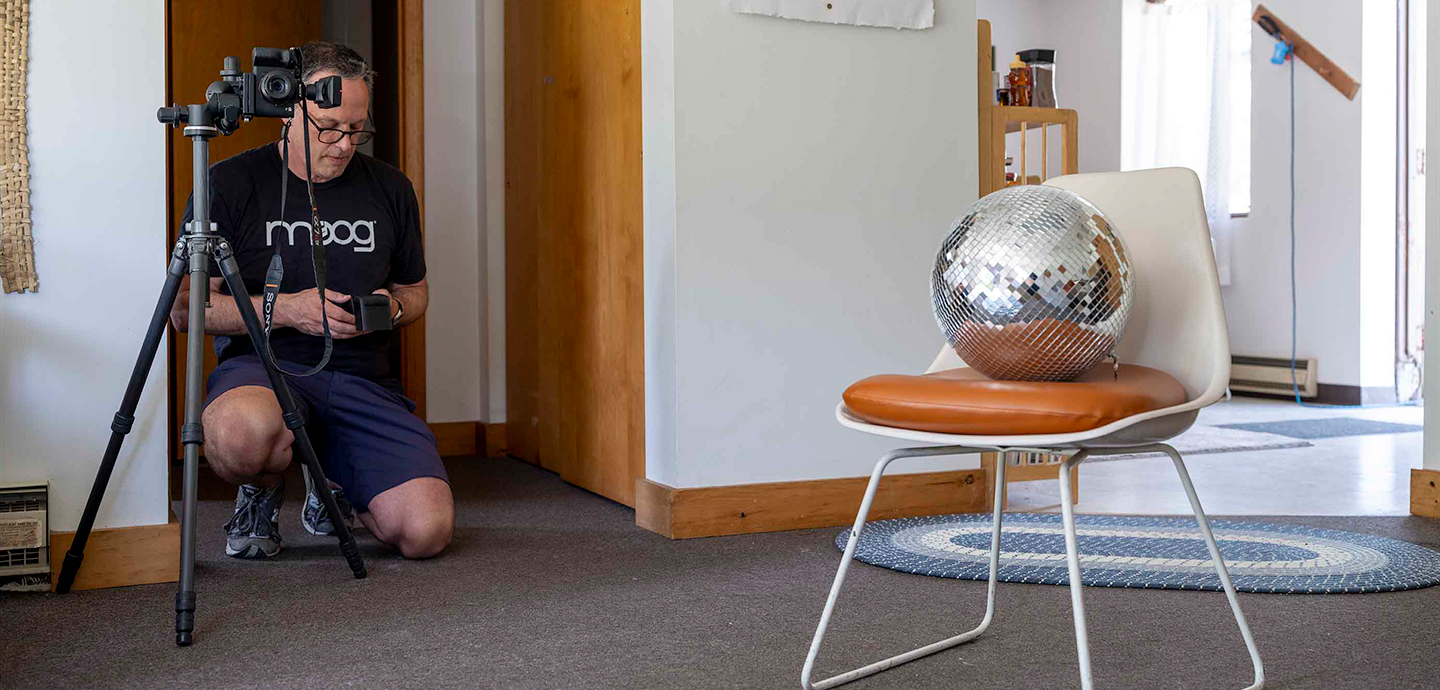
{"x":193,"y":252}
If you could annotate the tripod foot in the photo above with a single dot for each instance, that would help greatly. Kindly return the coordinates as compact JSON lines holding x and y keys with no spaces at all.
{"x":352,"y":556}
{"x":67,"y":571}
{"x":184,"y":618}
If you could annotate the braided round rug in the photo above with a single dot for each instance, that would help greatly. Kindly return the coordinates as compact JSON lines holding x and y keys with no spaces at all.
{"x":1148,"y":553}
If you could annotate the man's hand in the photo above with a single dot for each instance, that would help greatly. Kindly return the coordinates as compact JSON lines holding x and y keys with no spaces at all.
{"x":301,"y":311}
{"x":415,"y":298}
{"x":394,"y":305}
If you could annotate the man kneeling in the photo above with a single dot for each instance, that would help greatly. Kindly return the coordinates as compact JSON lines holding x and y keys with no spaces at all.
{"x":383,"y":458}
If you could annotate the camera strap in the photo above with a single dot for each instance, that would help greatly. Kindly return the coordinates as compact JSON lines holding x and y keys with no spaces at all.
{"x":275,"y":274}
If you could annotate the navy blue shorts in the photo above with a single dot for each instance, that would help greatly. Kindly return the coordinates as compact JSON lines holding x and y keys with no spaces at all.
{"x":367,"y":436}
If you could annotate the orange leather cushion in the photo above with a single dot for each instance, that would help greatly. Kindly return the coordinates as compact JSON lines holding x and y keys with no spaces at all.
{"x":964,"y":401}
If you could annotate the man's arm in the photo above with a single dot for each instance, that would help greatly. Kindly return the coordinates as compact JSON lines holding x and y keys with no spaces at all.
{"x":298,"y":310}
{"x":414,"y":297}
{"x":222,"y":317}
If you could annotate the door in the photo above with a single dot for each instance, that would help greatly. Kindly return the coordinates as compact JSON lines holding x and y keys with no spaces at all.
{"x":575,"y":389}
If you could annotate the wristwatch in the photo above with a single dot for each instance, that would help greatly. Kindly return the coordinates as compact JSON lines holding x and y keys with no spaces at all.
{"x":399,"y":312}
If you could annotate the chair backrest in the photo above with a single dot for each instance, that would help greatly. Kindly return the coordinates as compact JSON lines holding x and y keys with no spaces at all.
{"x":1178,"y":324}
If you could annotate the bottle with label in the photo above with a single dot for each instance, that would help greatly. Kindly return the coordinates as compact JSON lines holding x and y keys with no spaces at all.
{"x":1020,"y":82}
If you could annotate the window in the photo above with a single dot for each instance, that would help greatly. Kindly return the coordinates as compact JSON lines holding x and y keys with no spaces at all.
{"x":1185,"y":94}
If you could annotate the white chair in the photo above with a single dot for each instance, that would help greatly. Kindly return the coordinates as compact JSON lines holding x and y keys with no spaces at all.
{"x":1177,"y":327}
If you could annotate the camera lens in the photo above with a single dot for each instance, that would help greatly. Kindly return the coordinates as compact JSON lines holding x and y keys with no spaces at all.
{"x":278,"y":87}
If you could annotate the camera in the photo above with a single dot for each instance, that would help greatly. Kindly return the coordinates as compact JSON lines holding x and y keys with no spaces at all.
{"x":372,"y":312}
{"x":277,"y":74}
{"x":270,"y":89}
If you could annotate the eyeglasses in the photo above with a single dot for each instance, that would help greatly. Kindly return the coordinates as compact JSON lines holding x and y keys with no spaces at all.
{"x":332,"y":135}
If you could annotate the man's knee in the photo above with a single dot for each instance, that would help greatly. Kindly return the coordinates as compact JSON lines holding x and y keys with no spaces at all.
{"x":417,"y":517}
{"x":426,"y":536}
{"x":244,"y":436}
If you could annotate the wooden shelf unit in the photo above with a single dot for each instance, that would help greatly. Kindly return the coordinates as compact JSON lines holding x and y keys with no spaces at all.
{"x":995,"y":121}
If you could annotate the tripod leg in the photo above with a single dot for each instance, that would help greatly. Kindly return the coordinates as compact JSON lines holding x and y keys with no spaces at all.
{"x":192,"y":434}
{"x":291,"y":414}
{"x":124,"y":418}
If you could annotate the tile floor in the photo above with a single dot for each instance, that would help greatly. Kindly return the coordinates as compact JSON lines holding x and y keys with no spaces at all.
{"x":1353,"y":475}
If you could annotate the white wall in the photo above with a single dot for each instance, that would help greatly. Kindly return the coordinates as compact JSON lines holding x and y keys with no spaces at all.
{"x":1432,"y":244}
{"x":98,"y":200}
{"x":465,"y":210}
{"x":657,"y":122}
{"x":816,"y":169}
{"x":455,"y":342}
{"x":1378,"y":164}
{"x":1088,"y":41}
{"x":1327,"y":209}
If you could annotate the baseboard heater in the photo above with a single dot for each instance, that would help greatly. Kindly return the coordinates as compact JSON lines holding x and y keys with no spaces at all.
{"x":1272,"y":375}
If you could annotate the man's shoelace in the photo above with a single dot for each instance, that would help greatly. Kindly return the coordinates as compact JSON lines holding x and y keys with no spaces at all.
{"x":247,"y":517}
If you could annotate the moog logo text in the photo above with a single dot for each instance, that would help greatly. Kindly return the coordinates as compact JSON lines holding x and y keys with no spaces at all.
{"x":360,"y":233}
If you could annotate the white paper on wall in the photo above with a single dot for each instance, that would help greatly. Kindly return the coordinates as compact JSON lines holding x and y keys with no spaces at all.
{"x":897,"y":14}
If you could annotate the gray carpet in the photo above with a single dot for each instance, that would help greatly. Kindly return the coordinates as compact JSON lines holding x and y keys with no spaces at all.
{"x":548,"y":586}
{"x":1330,"y":427}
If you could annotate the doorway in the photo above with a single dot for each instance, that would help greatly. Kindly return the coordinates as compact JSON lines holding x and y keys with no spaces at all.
{"x":200,"y":34}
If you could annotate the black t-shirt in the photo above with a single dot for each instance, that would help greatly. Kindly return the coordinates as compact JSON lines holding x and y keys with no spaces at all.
{"x":370,"y":219}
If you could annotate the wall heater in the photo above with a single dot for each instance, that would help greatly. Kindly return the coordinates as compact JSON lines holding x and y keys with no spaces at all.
{"x":25,"y":536}
{"x":1272,"y":375}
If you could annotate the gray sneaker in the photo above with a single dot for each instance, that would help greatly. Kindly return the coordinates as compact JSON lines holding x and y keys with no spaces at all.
{"x":315,"y":518}
{"x":254,"y":529}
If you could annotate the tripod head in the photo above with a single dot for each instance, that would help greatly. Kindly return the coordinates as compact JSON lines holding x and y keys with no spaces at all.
{"x":271,"y":89}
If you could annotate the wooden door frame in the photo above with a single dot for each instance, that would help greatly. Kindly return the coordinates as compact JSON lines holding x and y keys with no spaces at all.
{"x":172,"y":434}
{"x":411,"y":83}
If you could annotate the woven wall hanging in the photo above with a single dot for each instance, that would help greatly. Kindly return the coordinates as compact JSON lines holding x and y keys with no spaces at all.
{"x":17,"y":247}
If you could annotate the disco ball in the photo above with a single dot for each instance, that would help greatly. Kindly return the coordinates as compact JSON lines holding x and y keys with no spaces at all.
{"x":1033,"y":283}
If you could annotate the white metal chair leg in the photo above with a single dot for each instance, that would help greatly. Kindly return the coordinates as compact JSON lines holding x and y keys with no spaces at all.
{"x":1219,"y":567}
{"x":1072,"y":557}
{"x":927,"y":650}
